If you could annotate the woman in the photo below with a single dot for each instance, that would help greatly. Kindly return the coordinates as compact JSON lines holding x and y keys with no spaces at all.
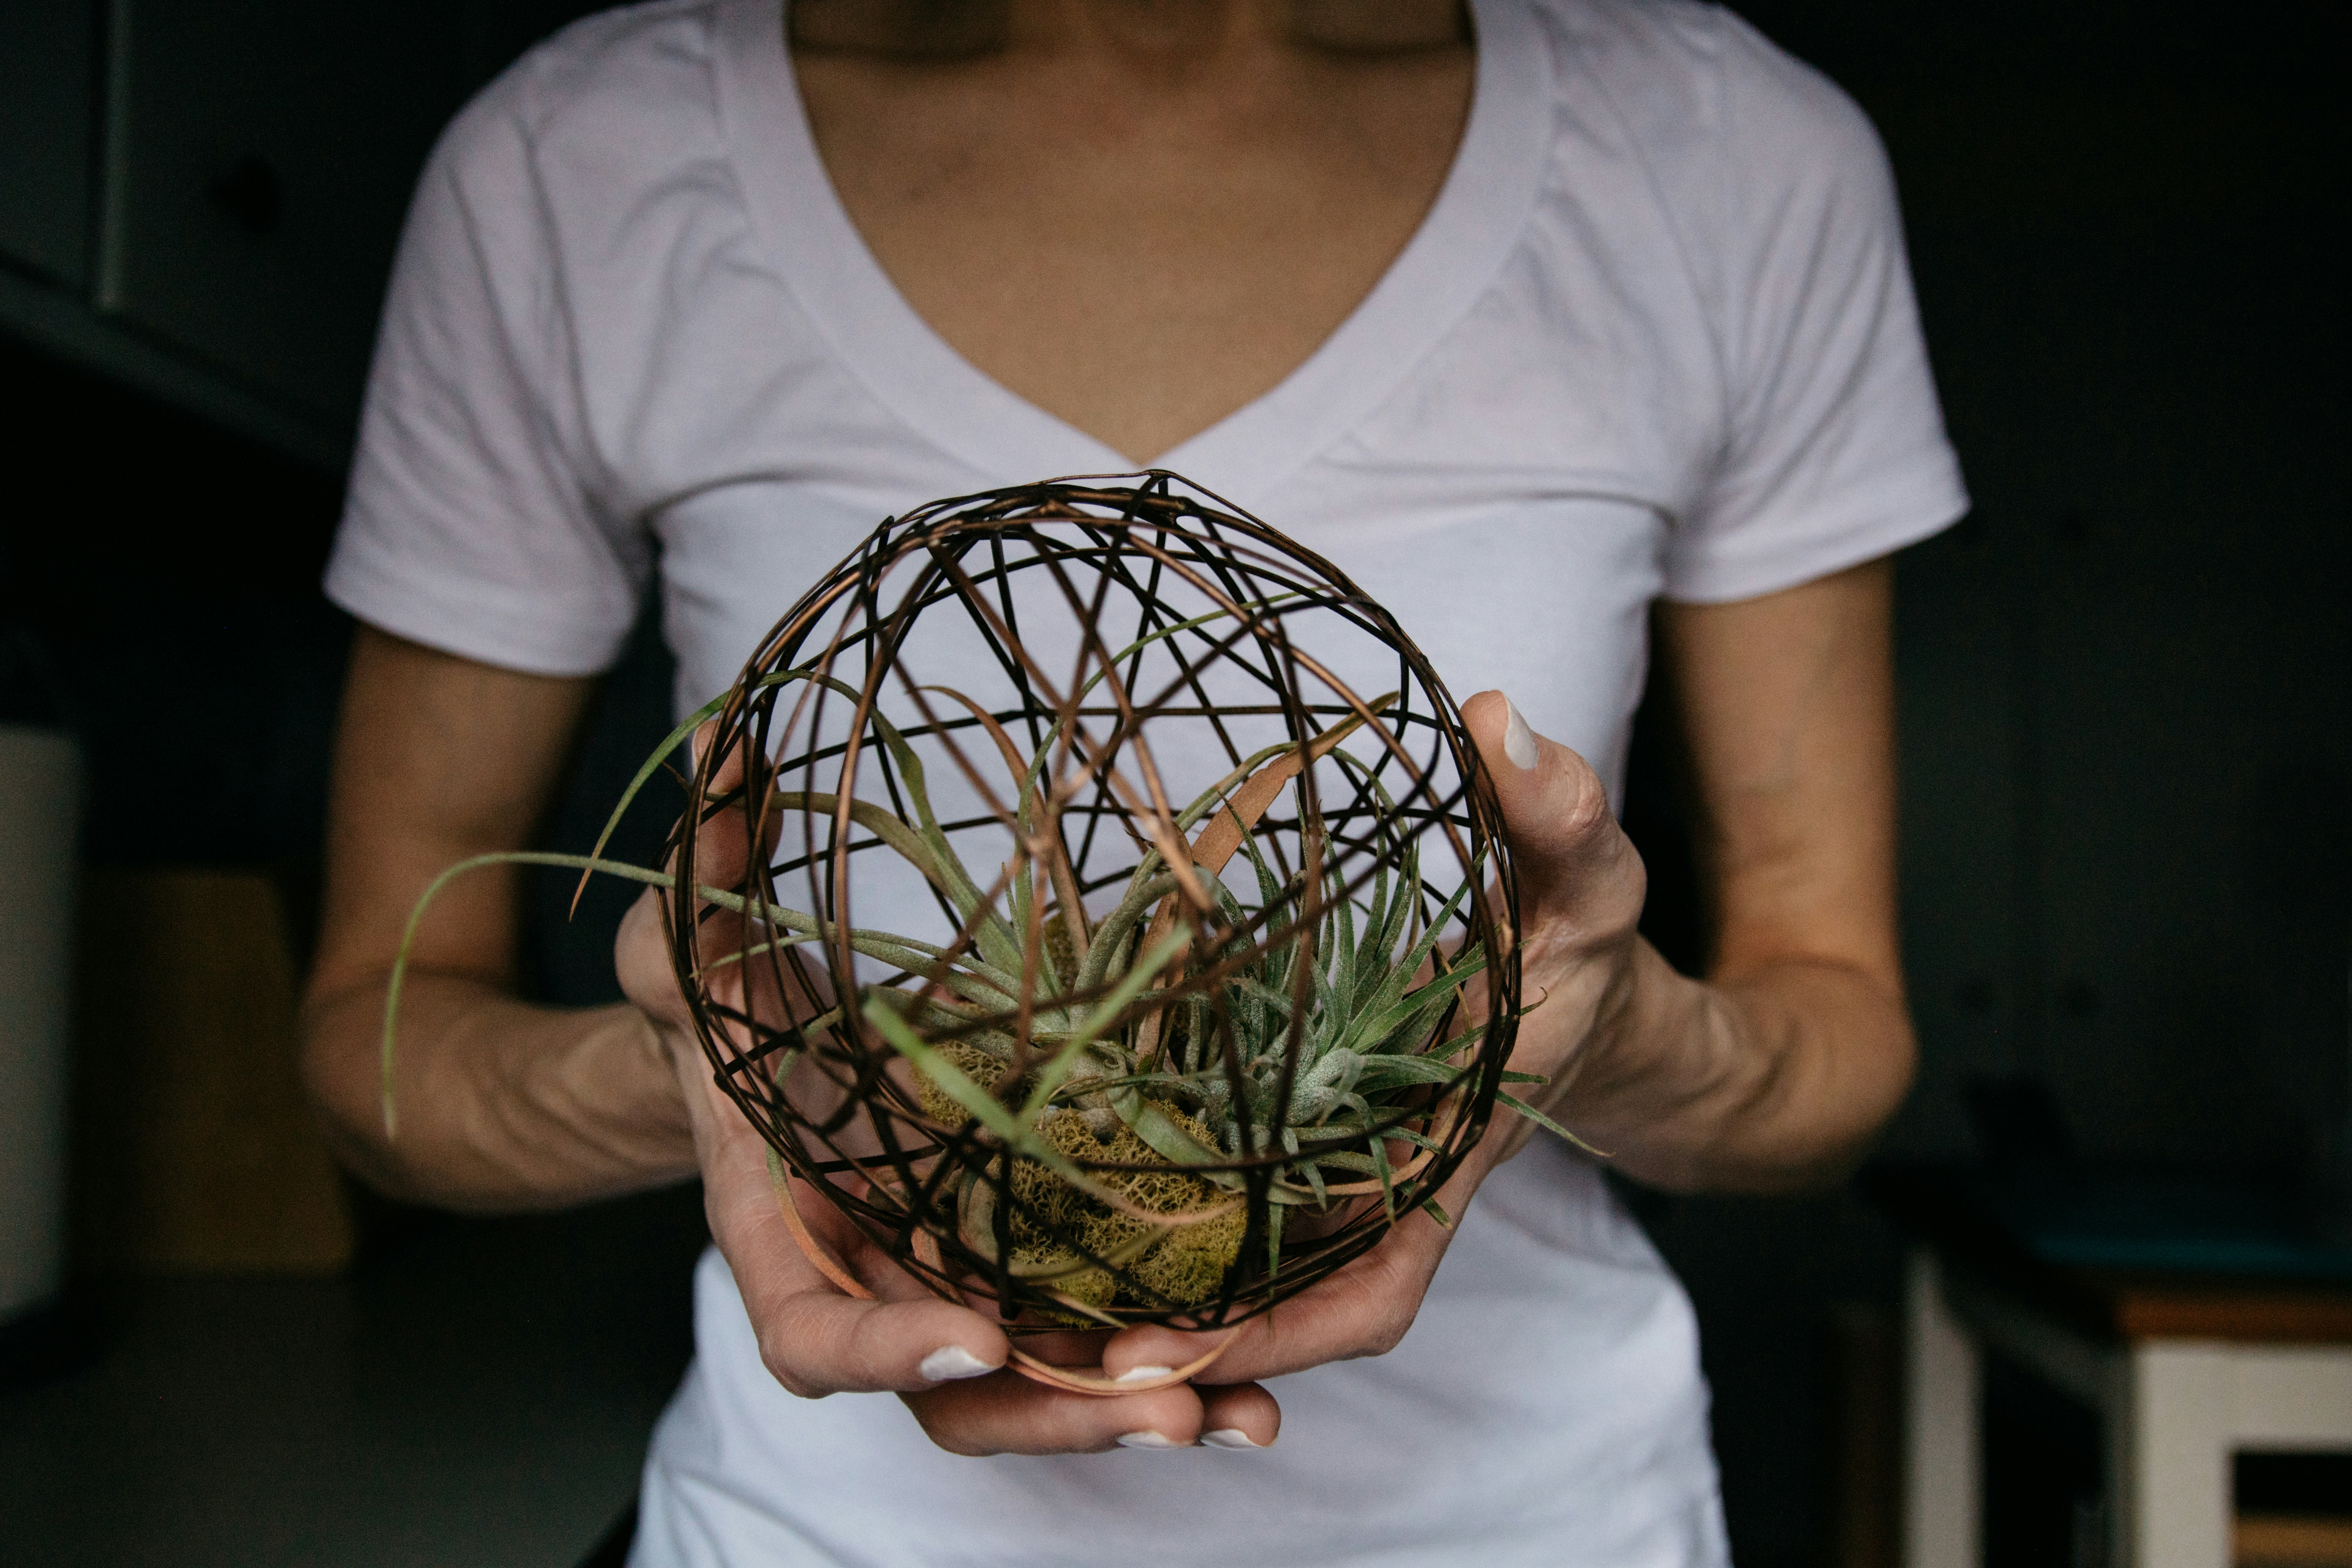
{"x":1530,"y":316}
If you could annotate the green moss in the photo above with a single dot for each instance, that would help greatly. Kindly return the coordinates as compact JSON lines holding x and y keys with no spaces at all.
{"x":1191,"y":1264}
{"x":1186,"y":1265}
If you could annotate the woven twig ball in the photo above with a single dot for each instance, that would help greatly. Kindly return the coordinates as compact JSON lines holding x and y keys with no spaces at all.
{"x":1130,"y":922}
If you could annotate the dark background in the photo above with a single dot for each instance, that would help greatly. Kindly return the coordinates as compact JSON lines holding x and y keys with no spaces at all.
{"x":2124,"y":677}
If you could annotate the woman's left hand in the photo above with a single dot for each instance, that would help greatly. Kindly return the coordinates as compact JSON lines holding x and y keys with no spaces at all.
{"x":1582,"y":885}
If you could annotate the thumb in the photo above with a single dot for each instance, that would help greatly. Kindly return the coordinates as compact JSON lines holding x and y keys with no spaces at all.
{"x":1573,"y":861}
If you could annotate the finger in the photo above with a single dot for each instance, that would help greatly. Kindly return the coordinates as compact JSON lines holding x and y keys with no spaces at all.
{"x":1008,"y":1414}
{"x":816,"y":1341}
{"x":1240,"y":1416}
{"x":723,"y":841}
{"x":1571,"y":859}
{"x":641,"y":961}
{"x":816,"y":1338}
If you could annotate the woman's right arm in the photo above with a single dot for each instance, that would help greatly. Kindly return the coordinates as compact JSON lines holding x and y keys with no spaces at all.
{"x":502,"y":1104}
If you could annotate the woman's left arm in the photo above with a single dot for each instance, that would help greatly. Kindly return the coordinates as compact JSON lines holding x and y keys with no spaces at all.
{"x":1775,"y":1072}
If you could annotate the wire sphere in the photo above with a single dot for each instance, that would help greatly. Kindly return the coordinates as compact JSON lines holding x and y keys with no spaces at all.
{"x":1096,"y":897}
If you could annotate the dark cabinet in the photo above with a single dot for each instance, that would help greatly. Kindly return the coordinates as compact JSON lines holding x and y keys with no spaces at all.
{"x":264,"y":153}
{"x":48,"y":137}
{"x":201,"y":197}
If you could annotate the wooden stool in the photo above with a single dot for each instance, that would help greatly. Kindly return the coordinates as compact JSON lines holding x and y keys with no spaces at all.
{"x":2185,"y":1372}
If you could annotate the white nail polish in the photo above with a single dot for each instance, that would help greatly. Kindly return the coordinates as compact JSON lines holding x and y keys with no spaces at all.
{"x":950,"y":1361}
{"x":1227,"y":1437}
{"x":1146,"y":1440}
{"x":1142,"y":1373}
{"x":1518,"y":741}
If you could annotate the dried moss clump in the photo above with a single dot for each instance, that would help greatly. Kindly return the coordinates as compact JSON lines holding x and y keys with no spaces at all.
{"x":1181,"y":1264}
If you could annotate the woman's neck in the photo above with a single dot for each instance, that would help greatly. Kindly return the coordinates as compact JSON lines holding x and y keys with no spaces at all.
{"x":1143,"y":30}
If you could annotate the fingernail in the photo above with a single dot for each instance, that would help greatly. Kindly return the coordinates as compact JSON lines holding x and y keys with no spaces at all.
{"x":1142,"y":1373}
{"x":1228,"y":1438}
{"x":950,"y":1361}
{"x":1518,"y":741}
{"x":1146,"y":1440}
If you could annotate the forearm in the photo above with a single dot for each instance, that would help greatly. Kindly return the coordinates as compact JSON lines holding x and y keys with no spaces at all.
{"x":1770,"y":1080}
{"x":500,"y":1104}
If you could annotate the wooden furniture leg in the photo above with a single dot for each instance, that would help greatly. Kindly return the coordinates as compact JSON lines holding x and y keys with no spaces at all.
{"x":1943,"y":1390}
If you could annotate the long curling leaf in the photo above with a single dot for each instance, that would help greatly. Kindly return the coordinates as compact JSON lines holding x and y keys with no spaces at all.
{"x":671,"y":743}
{"x":583,"y":863}
{"x":964,"y":977}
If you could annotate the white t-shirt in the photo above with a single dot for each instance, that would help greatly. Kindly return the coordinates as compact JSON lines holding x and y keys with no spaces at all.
{"x":1656,"y":338}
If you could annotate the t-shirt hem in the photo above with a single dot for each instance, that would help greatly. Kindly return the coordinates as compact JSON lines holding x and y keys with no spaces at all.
{"x":530,"y":635}
{"x":1880,"y":531}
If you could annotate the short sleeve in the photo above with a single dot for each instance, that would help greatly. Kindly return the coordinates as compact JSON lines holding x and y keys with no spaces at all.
{"x":472,"y":523}
{"x":1833,"y":448}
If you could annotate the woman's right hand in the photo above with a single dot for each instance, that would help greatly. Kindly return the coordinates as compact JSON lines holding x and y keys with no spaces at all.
{"x":944,"y":1358}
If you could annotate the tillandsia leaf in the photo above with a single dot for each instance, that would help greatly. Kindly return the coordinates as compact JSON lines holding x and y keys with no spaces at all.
{"x":1418,"y":1141}
{"x":1166,"y":1138}
{"x":891,"y":830}
{"x":1312,"y":1170}
{"x":1390,"y":989}
{"x":1343,"y":954}
{"x":961,"y":972}
{"x":1323,"y":1087}
{"x":1381,"y":1074}
{"x":1375,"y":932}
{"x":1378,"y":1145}
{"x":1412,"y":1018}
{"x":958,"y":1026}
{"x":916,"y":853}
{"x":993,"y":937}
{"x":1546,"y":1123}
{"x":671,"y":743}
{"x":1105,"y":1014}
{"x":652,"y":765}
{"x":1102,"y":952}
{"x":1266,"y":997}
{"x":940,"y":864}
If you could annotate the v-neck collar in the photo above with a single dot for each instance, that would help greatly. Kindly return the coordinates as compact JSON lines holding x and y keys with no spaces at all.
{"x":1461,"y":243}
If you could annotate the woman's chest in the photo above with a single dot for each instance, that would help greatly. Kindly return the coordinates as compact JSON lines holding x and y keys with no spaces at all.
{"x":1139,"y":260}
